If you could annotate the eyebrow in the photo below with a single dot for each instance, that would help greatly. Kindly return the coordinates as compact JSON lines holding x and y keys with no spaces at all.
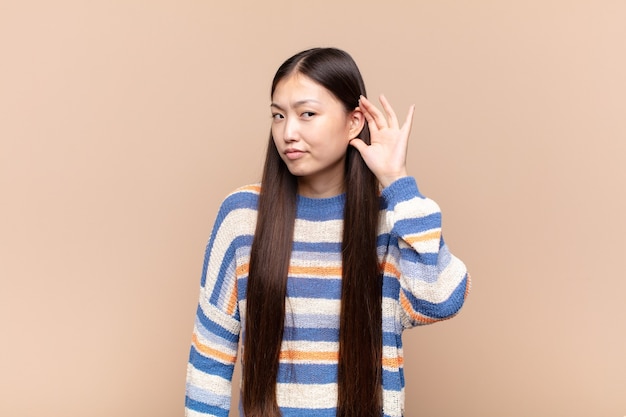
{"x":297,"y":103}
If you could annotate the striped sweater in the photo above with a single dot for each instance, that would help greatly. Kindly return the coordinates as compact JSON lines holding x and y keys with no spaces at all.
{"x":422,"y":283}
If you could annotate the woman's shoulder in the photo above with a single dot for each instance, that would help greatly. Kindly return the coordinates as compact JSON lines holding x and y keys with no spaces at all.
{"x":250,"y":190}
{"x":243,"y":197}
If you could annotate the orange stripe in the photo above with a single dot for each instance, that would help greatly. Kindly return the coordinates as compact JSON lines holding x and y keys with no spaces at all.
{"x":423,"y":237}
{"x":318,"y":271}
{"x":242,"y":270}
{"x":311,"y":356}
{"x":406,"y":305}
{"x":393,"y":362}
{"x":330,"y":356}
{"x":252,"y":187}
{"x":207,"y":351}
{"x":468,"y":284}
{"x":390,"y":269}
{"x":232,"y":302}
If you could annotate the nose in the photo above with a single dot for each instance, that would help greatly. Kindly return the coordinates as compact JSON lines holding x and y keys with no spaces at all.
{"x":290,"y":132}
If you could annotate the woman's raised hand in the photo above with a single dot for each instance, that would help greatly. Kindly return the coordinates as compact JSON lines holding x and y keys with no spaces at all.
{"x":386,"y":155}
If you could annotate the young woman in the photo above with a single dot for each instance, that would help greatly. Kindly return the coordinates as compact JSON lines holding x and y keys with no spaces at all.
{"x":320,"y":268}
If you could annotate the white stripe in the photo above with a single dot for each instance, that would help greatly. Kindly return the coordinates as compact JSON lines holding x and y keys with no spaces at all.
{"x":236,"y":223}
{"x":317,"y":306}
{"x":414,"y":208}
{"x":393,"y":402}
{"x":310,"y":396}
{"x":218,"y":316}
{"x":213,"y":383}
{"x":329,"y":231}
{"x":308,"y":346}
{"x":440,"y":290}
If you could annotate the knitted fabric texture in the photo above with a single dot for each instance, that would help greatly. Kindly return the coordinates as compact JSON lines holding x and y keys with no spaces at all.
{"x":422,"y":283}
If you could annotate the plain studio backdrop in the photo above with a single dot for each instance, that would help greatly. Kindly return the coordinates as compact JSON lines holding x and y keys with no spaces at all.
{"x":123,"y":124}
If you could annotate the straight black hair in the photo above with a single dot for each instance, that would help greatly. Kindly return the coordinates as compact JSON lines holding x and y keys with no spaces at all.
{"x":360,"y":333}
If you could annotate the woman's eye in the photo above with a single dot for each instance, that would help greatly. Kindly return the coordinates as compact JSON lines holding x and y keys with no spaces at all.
{"x":308,"y":114}
{"x":277,"y":116}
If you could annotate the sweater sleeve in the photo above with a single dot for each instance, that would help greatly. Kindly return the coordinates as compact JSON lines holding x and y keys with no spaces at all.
{"x":217,"y":325}
{"x":433,"y":283}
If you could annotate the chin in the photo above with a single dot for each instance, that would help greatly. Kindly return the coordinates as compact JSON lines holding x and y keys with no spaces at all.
{"x":298,"y":173}
{"x":295,"y":170}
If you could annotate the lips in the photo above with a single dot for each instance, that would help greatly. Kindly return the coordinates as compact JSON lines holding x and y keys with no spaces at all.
{"x":293,"y":153}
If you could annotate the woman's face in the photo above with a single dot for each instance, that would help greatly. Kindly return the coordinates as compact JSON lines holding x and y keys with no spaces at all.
{"x":312,"y":130}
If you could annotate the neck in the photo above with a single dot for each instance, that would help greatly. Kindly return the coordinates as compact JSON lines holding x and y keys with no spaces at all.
{"x":326,"y":183}
{"x":330,"y":187}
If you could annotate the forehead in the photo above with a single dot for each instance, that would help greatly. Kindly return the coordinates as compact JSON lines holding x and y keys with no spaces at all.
{"x":297,"y":87}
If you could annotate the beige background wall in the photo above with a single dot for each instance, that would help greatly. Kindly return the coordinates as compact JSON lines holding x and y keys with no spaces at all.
{"x":124,"y":123}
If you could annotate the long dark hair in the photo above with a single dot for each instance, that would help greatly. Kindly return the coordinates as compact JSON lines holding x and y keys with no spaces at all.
{"x":360,"y":340}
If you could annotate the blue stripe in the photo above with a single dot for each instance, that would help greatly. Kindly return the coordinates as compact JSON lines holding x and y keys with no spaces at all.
{"x":331,"y":334}
{"x":301,"y":373}
{"x":409,"y":255}
{"x":392,"y":380}
{"x":391,"y":287}
{"x":382,"y":242}
{"x":406,"y":227}
{"x":228,"y":262}
{"x":214,"y":327}
{"x":419,"y":272}
{"x":235,"y":201}
{"x":240,"y":199}
{"x":388,"y":245}
{"x":205,"y":408}
{"x":401,"y":190}
{"x":202,"y":395}
{"x":307,"y":412}
{"x":392,"y":339}
{"x":320,"y":209}
{"x":209,"y":365}
{"x":242,"y":287}
{"x":441,"y":310}
{"x":206,"y":334}
{"x":320,"y":288}
{"x":321,"y":247}
{"x":311,"y":334}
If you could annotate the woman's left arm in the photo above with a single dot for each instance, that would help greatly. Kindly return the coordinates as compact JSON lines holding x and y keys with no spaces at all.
{"x":433,"y":282}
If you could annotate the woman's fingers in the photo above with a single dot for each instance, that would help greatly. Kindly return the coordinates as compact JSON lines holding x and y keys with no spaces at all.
{"x":359,"y":145}
{"x":368,"y":116}
{"x":385,"y":155}
{"x":391,"y":115}
{"x":373,"y":116}
{"x":408,"y":123}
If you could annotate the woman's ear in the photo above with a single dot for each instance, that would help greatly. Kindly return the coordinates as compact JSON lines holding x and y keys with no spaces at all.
{"x":357,"y":121}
